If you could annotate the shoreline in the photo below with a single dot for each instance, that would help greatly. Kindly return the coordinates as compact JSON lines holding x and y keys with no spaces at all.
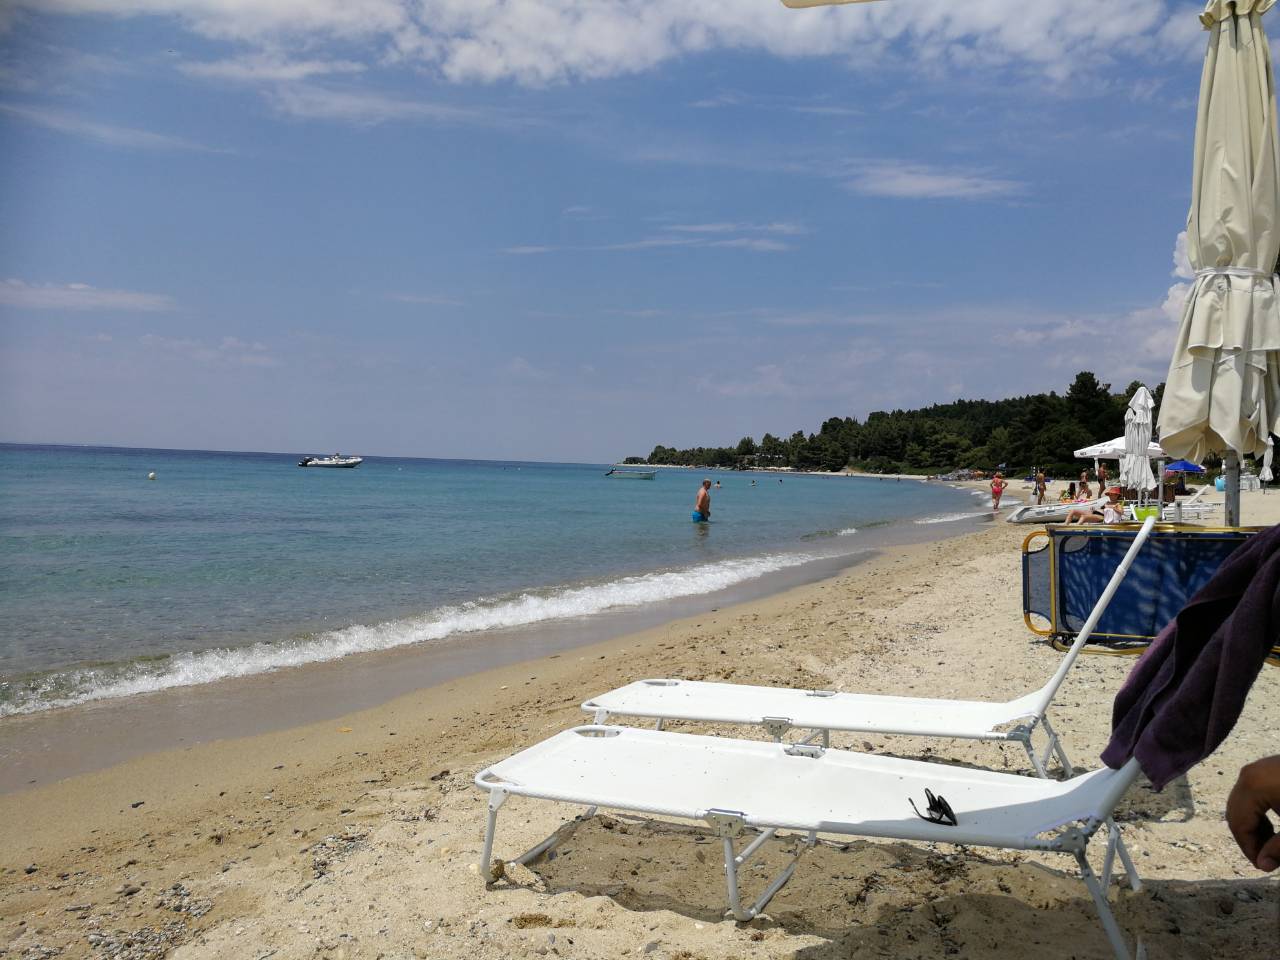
{"x":356,"y":837}
{"x":792,"y":471}
{"x":68,"y":740}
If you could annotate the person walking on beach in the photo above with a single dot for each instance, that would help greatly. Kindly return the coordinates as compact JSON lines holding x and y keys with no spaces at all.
{"x":1040,"y":488}
{"x":702,"y":505}
{"x":997,"y":488}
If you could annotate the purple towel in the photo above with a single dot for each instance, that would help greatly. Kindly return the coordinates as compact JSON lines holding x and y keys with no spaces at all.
{"x":1186,"y":692}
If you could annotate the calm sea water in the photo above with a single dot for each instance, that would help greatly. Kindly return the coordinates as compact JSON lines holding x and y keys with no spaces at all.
{"x":230,"y":564}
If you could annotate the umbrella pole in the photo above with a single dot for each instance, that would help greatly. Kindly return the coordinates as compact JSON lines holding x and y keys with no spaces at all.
{"x":1232,"y":509}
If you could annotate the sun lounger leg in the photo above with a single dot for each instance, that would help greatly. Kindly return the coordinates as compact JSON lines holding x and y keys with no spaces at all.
{"x":730,"y":827}
{"x":1105,"y":916}
{"x":1035,"y":759}
{"x":1131,"y":872}
{"x":1056,"y":743}
{"x":497,"y":797}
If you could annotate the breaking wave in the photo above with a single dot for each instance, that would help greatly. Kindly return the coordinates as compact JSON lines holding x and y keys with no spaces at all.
{"x":66,"y":688}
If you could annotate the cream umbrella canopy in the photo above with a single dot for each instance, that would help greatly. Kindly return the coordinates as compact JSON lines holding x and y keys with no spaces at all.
{"x":1222,"y":393}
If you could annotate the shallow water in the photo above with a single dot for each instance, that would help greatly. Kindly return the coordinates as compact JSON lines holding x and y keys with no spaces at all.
{"x":233,"y":564}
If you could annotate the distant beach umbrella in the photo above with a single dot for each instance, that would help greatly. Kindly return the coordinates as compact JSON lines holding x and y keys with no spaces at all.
{"x":1222,"y":393}
{"x":1135,"y":465}
{"x":1265,"y":473}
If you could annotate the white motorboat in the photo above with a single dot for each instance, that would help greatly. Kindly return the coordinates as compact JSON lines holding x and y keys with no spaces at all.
{"x":624,"y":473}
{"x":337,"y":460}
{"x":1052,"y":512}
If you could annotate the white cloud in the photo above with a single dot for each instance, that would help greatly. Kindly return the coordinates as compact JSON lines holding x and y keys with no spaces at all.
{"x":103,"y":132}
{"x":1181,"y":259}
{"x":537,"y":42}
{"x":79,"y":296}
{"x":527,"y":250}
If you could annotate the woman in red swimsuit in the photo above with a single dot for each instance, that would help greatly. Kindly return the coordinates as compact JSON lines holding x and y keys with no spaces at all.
{"x":997,"y":488}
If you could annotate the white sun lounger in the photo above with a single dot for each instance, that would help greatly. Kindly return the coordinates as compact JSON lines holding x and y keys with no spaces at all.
{"x":741,"y":786}
{"x":779,"y":709}
{"x":1189,"y":508}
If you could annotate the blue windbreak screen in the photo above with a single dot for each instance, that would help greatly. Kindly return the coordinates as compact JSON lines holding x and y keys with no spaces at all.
{"x":1037,"y":597}
{"x":1168,"y":570}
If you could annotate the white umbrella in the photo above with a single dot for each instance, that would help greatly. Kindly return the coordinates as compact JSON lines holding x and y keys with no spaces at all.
{"x":1265,"y":473}
{"x":1223,"y":389}
{"x":1114,"y":450}
{"x":1135,"y":465}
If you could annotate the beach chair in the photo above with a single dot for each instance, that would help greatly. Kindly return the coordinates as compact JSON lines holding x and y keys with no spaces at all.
{"x":747,"y":791}
{"x":779,"y":709}
{"x":1189,"y":508}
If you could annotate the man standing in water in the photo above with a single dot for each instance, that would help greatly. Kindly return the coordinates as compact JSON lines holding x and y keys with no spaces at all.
{"x":702,"y":505}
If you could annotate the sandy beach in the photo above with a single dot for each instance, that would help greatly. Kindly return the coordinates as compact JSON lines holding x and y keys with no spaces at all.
{"x":359,"y":837}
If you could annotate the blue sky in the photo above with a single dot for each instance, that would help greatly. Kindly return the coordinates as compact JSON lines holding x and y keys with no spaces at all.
{"x":552,"y":230}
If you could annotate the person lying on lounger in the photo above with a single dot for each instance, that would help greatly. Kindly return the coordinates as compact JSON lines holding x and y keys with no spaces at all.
{"x":1111,"y":512}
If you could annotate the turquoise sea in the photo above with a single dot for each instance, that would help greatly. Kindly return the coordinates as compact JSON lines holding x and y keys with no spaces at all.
{"x":231,"y":564}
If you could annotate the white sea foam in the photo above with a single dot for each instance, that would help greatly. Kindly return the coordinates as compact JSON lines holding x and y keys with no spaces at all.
{"x":952,"y":517}
{"x":190,"y":669}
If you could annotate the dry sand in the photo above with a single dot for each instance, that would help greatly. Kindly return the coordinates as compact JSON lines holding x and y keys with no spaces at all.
{"x":357,"y":838}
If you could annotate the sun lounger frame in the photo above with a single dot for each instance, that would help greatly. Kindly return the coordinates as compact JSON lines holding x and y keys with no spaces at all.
{"x":1031,"y":709}
{"x":734,"y":827}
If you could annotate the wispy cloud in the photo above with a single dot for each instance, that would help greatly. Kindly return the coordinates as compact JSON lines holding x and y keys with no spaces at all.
{"x":264,"y":68}
{"x":583,"y":212}
{"x":787,"y":229}
{"x":425,"y":299}
{"x":758,"y":244}
{"x":527,"y":250}
{"x":651,"y":243}
{"x":757,"y":237}
{"x":228,"y":350}
{"x":319,"y":102}
{"x":79,"y":296}
{"x":129,"y":137}
{"x":830,"y":110}
{"x":924,"y":182}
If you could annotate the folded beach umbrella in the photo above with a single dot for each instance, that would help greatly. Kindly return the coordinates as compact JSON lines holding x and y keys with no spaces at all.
{"x":1265,"y":474}
{"x":1135,"y":465}
{"x":1222,"y":393}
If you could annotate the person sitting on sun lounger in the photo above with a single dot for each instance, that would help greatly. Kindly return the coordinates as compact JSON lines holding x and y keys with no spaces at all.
{"x":1111,"y":512}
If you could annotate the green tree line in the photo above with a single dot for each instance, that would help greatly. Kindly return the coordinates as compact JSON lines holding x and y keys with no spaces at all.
{"x":1041,"y":429}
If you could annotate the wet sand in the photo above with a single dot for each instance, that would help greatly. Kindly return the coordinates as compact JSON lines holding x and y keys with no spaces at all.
{"x":356,"y":836}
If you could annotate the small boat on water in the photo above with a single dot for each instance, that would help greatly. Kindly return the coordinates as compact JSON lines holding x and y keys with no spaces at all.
{"x":1052,"y":512}
{"x":337,"y":460}
{"x":623,"y":473}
